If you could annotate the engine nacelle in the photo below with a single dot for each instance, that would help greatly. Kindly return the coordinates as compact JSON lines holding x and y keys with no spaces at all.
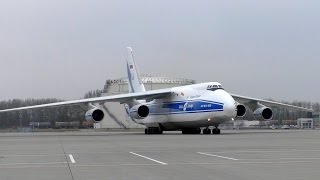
{"x":139,"y":111}
{"x":241,"y":110}
{"x":263,"y":113}
{"x":95,"y":115}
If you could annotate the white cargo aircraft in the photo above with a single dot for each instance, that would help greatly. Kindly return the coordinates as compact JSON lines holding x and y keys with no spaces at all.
{"x":186,"y":108}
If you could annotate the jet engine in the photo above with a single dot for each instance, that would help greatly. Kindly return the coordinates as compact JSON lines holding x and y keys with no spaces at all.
{"x":241,"y":110}
{"x":139,"y":111}
{"x":263,"y":113}
{"x":95,"y":115}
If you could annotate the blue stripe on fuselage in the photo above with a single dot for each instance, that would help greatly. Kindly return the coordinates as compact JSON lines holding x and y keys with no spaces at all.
{"x":180,"y":107}
{"x":197,"y":100}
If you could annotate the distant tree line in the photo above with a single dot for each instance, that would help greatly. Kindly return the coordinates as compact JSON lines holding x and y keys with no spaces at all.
{"x":93,"y":93}
{"x":76,"y":113}
{"x":54,"y":114}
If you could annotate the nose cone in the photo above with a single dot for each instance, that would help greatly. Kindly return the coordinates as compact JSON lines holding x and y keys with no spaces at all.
{"x":229,"y":107}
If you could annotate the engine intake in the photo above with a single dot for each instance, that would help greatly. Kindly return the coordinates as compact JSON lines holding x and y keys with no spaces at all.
{"x":95,"y":115}
{"x":139,"y":111}
{"x":241,"y":110}
{"x":263,"y":113}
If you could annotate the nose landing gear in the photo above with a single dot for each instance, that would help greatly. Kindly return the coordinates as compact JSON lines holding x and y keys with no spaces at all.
{"x":207,"y":130}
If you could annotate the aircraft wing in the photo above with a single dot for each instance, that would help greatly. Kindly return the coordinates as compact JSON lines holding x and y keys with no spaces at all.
{"x":248,"y":100}
{"x":121,"y":98}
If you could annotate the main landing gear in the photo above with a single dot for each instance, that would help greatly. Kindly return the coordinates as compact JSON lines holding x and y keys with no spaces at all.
{"x":158,"y":130}
{"x":206,"y":131}
{"x":153,"y":130}
{"x":216,"y":131}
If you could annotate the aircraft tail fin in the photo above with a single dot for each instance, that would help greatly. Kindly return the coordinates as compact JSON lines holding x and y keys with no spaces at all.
{"x":134,"y":81}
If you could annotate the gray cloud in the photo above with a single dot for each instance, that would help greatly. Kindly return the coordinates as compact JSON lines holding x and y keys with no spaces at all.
{"x":64,"y":48}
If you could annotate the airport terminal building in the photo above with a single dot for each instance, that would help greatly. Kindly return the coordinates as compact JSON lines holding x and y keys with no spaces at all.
{"x":115,"y":113}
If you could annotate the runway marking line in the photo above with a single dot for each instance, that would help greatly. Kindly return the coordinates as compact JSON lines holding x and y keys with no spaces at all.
{"x":273,"y":159}
{"x":148,"y":158}
{"x":48,"y":163}
{"x":223,"y":157}
{"x":72,"y":159}
{"x":270,"y":151}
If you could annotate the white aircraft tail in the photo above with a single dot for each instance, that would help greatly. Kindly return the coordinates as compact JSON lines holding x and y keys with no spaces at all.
{"x":134,"y":81}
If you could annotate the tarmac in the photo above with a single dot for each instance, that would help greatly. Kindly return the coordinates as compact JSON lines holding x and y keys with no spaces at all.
{"x":88,"y":155}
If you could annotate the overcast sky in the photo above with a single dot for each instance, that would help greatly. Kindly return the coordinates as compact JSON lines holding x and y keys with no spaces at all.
{"x":257,"y":48}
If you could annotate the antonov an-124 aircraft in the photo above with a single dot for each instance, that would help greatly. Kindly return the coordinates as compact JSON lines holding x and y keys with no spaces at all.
{"x":187,"y":108}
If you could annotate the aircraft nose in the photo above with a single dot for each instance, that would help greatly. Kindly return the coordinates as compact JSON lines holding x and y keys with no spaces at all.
{"x":229,"y":105}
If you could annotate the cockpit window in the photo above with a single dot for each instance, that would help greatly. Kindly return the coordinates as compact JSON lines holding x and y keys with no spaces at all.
{"x":214,"y":87}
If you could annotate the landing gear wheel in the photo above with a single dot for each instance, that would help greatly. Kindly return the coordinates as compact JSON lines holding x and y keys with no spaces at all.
{"x":153,"y":130}
{"x":216,"y":131}
{"x":206,"y":131}
{"x":185,"y":131}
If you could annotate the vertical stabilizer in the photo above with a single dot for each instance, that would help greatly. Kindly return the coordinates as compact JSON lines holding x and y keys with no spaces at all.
{"x":134,"y":81}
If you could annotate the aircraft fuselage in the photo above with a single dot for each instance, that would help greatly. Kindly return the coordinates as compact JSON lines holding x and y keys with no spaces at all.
{"x":191,"y":106}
